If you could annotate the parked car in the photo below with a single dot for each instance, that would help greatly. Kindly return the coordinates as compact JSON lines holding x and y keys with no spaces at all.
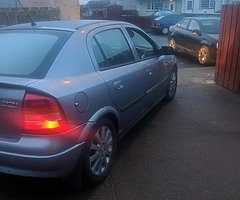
{"x":69,"y":90}
{"x":162,"y":24}
{"x":197,"y":36}
{"x":162,"y":13}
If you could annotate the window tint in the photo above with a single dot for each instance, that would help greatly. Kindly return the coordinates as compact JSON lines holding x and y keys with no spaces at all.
{"x":211,"y":26}
{"x":183,"y":24}
{"x":30,"y":54}
{"x":194,"y":25}
{"x":145,"y":46}
{"x":111,"y":49}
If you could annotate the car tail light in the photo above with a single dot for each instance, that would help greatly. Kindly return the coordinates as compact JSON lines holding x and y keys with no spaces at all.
{"x":43,"y":115}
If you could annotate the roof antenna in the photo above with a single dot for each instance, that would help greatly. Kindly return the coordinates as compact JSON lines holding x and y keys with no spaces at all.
{"x":29,"y":17}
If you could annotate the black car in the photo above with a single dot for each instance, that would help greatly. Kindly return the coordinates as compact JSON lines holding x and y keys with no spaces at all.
{"x":197,"y":36}
{"x":162,"y":24}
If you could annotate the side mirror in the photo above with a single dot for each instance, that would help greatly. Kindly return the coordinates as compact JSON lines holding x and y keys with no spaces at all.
{"x":196,"y":32}
{"x":166,"y":50}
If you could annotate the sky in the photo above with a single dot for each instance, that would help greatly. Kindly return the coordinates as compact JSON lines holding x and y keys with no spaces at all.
{"x":83,"y":1}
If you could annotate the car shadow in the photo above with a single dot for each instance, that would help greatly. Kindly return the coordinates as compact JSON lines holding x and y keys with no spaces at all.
{"x":137,"y":130}
{"x":188,"y":61}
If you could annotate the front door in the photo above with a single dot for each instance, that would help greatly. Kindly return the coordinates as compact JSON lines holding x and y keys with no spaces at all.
{"x":154,"y":67}
{"x":193,"y":37}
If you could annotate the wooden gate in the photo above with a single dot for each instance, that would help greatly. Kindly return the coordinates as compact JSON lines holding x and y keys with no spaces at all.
{"x":228,"y":57}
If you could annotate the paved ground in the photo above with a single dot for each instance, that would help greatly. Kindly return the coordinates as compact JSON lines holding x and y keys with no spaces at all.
{"x":186,"y":149}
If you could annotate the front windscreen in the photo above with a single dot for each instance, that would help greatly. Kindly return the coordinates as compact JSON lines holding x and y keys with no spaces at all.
{"x":29,"y":53}
{"x":211,"y":26}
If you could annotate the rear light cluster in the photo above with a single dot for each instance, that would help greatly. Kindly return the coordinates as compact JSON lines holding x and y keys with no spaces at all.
{"x":156,"y":23}
{"x":43,"y":115}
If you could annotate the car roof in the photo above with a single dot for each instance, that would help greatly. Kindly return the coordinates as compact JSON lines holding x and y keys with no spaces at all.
{"x":169,"y":16}
{"x":70,"y":25}
{"x":203,"y":18}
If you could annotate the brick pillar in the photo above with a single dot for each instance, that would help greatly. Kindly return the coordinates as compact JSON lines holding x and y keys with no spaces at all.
{"x":69,"y":9}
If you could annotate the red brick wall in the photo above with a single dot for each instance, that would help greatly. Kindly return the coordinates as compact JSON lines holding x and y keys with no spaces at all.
{"x":69,"y":9}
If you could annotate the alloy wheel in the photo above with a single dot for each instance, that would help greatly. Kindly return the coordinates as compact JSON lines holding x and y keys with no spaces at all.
{"x":172,"y":85}
{"x":203,"y":55}
{"x":101,"y":150}
{"x":172,"y":43}
{"x":165,"y":31}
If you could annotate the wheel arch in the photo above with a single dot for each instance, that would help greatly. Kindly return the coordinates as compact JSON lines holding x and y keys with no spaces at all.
{"x":105,"y":112}
{"x":205,"y":43}
{"x":164,"y":26}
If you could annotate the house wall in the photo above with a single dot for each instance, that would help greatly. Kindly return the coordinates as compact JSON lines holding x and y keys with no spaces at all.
{"x":196,"y":9}
{"x":178,"y":6}
{"x":142,"y":6}
{"x":127,"y":5}
{"x":69,"y":9}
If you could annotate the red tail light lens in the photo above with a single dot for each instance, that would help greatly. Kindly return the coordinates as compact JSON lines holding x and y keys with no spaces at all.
{"x":43,"y":115}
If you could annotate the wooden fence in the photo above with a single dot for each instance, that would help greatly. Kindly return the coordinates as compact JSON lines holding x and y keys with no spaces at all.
{"x":228,"y":58}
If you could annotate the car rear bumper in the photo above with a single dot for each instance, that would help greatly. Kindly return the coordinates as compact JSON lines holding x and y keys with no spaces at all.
{"x":42,"y":156}
{"x":58,"y":165}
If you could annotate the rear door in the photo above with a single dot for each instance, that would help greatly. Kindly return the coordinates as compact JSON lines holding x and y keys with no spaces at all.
{"x":193,"y":40}
{"x":125,"y":78}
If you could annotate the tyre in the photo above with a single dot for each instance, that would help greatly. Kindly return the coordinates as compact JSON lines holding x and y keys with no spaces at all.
{"x":164,"y":30}
{"x":172,"y":43}
{"x":203,"y":55}
{"x":172,"y":86}
{"x":99,"y":152}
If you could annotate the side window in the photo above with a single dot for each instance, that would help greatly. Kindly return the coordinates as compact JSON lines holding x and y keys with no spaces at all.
{"x":184,"y":23}
{"x":111,"y":49}
{"x":194,"y":25}
{"x":145,"y":47}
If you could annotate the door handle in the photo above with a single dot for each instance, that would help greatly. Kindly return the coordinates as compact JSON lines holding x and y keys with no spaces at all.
{"x":118,"y":85}
{"x":149,"y":72}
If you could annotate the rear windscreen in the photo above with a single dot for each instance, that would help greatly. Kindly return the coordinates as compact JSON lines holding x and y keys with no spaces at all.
{"x":29,"y":53}
{"x":211,"y":26}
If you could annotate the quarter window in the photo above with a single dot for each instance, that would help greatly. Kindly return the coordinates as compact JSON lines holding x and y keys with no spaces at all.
{"x":111,"y":49}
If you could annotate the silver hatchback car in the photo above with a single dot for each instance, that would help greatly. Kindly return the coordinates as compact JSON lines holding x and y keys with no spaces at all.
{"x":69,"y":90}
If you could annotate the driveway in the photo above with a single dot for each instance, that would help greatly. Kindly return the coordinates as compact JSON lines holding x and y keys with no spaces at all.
{"x":186,"y":149}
